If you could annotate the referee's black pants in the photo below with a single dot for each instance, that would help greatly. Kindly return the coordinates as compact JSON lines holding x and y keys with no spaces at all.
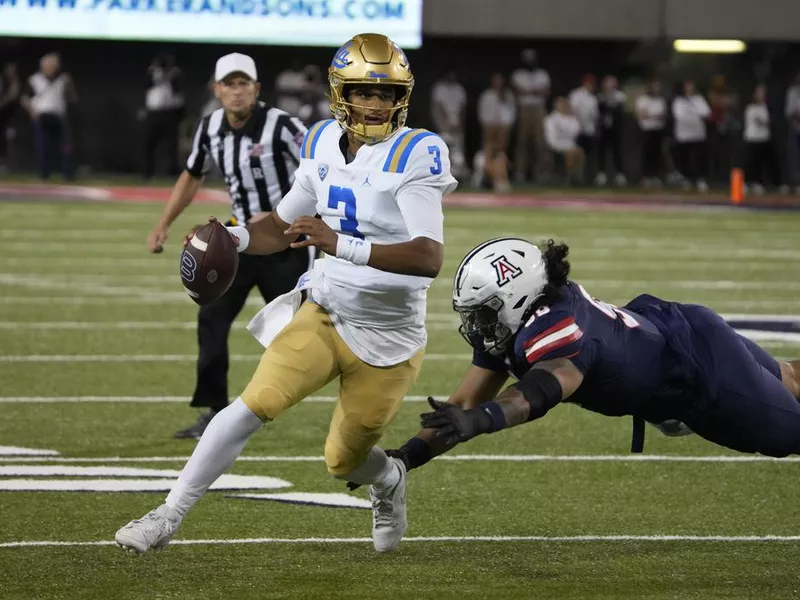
{"x":273,"y":275}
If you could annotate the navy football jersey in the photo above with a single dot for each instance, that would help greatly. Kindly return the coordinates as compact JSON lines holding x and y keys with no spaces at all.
{"x":627,"y":365}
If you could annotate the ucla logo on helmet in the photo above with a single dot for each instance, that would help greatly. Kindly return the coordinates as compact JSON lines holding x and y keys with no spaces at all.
{"x":505,"y":270}
{"x":402,"y":55}
{"x":342,"y":57}
{"x":322,"y":171}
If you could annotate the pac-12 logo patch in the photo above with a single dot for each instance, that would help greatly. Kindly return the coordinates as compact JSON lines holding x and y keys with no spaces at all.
{"x":323,"y":171}
{"x":504,"y":270}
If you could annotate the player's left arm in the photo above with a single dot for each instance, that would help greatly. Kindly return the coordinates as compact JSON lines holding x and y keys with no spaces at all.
{"x":559,"y":354}
{"x":547,"y":384}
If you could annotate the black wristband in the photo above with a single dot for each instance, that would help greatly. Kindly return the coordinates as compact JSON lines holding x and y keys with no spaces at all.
{"x":416,"y":452}
{"x":484,"y":423}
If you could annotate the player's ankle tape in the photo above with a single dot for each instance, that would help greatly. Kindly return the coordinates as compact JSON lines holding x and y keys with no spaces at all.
{"x":495,"y":411}
{"x":353,"y":249}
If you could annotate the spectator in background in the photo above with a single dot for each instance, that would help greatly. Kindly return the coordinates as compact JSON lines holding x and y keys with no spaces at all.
{"x":721,"y":124}
{"x":760,"y":156}
{"x":611,"y":102}
{"x":315,"y":106}
{"x":496,"y":113}
{"x":164,"y":104}
{"x":651,"y":114}
{"x":46,"y":98}
{"x":690,"y":111}
{"x":792,"y":110}
{"x":583,"y":103}
{"x":448,"y":112}
{"x":212,"y":103}
{"x":9,"y":100}
{"x":561,"y":130}
{"x":290,"y":84}
{"x":491,"y":174}
{"x":532,"y":87}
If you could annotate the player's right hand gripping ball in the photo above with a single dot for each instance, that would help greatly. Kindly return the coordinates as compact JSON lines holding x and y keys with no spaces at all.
{"x":208,"y":263}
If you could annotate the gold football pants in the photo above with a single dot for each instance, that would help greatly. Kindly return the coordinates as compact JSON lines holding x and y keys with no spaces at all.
{"x":309,"y":353}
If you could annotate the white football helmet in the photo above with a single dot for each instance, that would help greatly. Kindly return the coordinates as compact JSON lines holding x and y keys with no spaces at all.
{"x":495,"y":285}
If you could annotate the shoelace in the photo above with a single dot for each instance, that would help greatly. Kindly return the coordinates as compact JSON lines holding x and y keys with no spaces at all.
{"x":383,"y":512}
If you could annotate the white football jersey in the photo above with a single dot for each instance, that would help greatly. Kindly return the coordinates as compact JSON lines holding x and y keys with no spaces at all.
{"x":390,"y":193}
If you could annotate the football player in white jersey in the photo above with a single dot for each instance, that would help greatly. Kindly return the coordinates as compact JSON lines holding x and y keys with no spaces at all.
{"x":377,"y":186}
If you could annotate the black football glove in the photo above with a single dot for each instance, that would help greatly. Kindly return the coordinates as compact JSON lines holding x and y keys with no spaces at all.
{"x":454,"y":424}
{"x":399,"y":453}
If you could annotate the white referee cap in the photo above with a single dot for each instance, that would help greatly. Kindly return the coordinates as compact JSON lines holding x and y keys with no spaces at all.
{"x":235,"y":63}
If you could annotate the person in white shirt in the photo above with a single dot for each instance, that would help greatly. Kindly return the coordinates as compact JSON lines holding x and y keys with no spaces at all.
{"x":496,"y":114}
{"x":690,"y":111}
{"x":760,"y":156}
{"x":583,"y":102}
{"x":651,"y":114}
{"x":792,"y":111}
{"x":9,"y":101}
{"x":290,"y":84}
{"x":448,"y":112}
{"x":531,"y":84}
{"x":377,"y":187}
{"x":611,"y":103}
{"x":164,"y":103}
{"x":46,"y":98}
{"x":561,"y":131}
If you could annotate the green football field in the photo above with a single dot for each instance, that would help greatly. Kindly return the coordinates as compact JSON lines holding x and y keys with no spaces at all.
{"x":97,"y":350}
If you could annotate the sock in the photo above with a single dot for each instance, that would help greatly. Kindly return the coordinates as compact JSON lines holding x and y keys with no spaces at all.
{"x":377,"y":470}
{"x":218,"y":448}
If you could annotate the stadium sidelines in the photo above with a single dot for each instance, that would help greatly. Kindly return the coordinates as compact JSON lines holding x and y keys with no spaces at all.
{"x":436,"y":539}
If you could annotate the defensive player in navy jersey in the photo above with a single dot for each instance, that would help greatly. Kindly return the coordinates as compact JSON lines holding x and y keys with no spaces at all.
{"x":665,"y":362}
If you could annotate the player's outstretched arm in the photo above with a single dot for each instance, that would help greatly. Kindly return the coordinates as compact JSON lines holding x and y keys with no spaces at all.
{"x":544,"y":386}
{"x":264,"y":236}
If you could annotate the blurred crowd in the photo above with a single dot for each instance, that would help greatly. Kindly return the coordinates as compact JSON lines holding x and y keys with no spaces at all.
{"x":689,"y":136}
{"x":686,"y":137}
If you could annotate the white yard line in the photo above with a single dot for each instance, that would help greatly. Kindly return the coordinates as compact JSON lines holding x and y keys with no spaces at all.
{"x":655,"y":251}
{"x":92,"y":358}
{"x":516,"y":458}
{"x":145,"y":297}
{"x":436,"y":539}
{"x":143,"y":399}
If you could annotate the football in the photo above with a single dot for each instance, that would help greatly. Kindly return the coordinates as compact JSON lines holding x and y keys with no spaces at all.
{"x":209,"y":263}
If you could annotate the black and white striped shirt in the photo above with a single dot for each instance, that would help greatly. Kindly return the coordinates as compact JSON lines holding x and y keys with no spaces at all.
{"x":258,"y":160}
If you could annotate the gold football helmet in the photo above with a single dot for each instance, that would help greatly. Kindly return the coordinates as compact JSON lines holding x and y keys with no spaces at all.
{"x":374,"y":59}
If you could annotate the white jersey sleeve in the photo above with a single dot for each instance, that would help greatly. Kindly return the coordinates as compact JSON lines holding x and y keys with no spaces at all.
{"x":301,"y":199}
{"x":426,"y":179}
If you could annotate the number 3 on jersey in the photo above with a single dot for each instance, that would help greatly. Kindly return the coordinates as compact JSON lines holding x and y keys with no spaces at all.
{"x":342,"y":195}
{"x":437,"y":159}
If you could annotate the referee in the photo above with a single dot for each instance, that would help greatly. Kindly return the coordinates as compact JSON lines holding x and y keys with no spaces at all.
{"x":257,"y":148}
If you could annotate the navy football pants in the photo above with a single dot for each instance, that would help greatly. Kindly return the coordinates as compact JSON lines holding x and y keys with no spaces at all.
{"x":748,"y":408}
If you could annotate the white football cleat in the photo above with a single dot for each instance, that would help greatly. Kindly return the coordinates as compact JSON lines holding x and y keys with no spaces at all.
{"x":154,"y":530}
{"x":389,"y":521}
